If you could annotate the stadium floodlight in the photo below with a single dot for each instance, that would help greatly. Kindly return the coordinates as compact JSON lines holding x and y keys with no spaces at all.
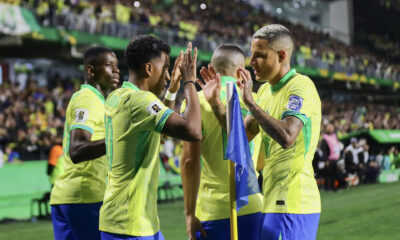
{"x":136,"y":4}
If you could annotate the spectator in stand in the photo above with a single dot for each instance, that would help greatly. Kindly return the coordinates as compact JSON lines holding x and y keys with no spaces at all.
{"x":213,"y":25}
{"x":363,"y":156}
{"x":331,"y":148}
{"x":352,"y":163}
{"x":11,"y":154}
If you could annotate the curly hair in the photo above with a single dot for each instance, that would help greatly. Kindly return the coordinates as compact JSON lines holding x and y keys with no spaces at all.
{"x":142,"y":49}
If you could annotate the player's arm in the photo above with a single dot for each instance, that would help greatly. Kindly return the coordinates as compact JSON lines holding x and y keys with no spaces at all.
{"x":283,"y":131}
{"x":211,"y":89}
{"x":176,"y":76}
{"x":188,"y":126}
{"x":190,"y":173}
{"x":82,"y":149}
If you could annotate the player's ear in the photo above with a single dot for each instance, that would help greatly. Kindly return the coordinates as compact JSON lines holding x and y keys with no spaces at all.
{"x":89,"y":69}
{"x":281,"y":55}
{"x":238,"y":76}
{"x":148,"y":69}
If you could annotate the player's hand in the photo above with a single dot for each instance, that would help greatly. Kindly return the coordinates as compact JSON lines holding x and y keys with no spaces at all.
{"x":176,"y":74}
{"x":188,"y":65}
{"x":194,"y":225}
{"x":211,"y":86}
{"x":245,"y":84}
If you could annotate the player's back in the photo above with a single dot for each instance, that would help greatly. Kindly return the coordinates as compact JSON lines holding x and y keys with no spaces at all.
{"x":213,"y":200}
{"x":133,"y":120}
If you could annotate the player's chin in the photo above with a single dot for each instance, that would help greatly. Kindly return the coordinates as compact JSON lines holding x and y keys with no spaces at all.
{"x":114,"y":85}
{"x":261,"y":79}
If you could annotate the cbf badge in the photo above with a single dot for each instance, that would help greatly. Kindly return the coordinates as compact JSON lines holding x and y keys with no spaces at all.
{"x":154,"y":107}
{"x":295,"y":103}
{"x":81,"y":115}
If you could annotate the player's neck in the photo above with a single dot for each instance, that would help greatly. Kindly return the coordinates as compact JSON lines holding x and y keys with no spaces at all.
{"x":140,"y":83}
{"x":97,"y":86}
{"x":282,"y":72}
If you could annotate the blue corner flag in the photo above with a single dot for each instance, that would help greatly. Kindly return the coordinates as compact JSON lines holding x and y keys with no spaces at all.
{"x":238,"y":151}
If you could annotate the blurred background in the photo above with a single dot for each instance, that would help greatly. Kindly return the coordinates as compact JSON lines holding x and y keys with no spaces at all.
{"x":349,"y":48}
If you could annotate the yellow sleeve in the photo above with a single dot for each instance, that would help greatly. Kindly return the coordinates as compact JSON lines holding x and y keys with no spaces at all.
{"x":84,"y":112}
{"x":148,"y":112}
{"x":299,"y":99}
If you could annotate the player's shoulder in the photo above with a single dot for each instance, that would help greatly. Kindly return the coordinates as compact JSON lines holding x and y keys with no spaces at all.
{"x":86,"y":98}
{"x":301,"y":80}
{"x":302,"y":83}
{"x":264,"y":87}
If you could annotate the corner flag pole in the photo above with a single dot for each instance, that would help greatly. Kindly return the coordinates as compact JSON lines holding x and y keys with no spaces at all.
{"x":232,"y":183}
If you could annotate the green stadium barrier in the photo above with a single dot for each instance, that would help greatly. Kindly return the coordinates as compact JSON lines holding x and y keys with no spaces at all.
{"x":20,"y":183}
{"x":169,"y":185}
{"x":387,"y":176}
{"x":382,"y":136}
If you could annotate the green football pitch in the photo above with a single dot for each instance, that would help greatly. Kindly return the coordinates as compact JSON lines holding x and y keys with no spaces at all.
{"x":366,"y":212}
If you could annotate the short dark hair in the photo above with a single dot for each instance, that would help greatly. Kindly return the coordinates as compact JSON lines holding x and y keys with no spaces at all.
{"x":142,"y":49}
{"x":232,"y":48}
{"x":227,"y":57}
{"x":273,"y":32}
{"x":93,"y":52}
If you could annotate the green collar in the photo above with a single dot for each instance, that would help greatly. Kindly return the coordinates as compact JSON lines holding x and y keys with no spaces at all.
{"x":130,"y":85}
{"x":225,"y":79}
{"x":93,"y":89}
{"x":283,"y":80}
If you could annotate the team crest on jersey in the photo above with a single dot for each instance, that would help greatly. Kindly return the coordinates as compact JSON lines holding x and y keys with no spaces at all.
{"x":154,"y":107}
{"x":81,"y":115}
{"x":295,"y":103}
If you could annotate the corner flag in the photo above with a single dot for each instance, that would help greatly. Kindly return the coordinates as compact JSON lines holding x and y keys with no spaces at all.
{"x":238,"y":151}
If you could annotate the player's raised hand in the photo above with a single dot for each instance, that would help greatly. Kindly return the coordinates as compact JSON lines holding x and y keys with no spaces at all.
{"x":188,"y":65}
{"x":245,"y":84}
{"x":211,"y":86}
{"x":194,"y":225}
{"x":176,"y":74}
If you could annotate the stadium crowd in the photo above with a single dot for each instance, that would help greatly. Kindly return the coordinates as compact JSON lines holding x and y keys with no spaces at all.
{"x":32,"y":117}
{"x":208,"y":26}
{"x":338,"y":166}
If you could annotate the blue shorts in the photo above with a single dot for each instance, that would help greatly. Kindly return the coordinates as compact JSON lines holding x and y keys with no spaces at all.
{"x":76,"y":221}
{"x":248,"y":228}
{"x":286,"y":226}
{"x":113,"y":236}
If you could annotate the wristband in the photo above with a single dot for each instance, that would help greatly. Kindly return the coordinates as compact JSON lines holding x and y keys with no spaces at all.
{"x":184,"y":84}
{"x":170,"y":96}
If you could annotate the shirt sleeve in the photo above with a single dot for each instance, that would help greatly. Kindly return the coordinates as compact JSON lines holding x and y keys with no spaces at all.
{"x":297,"y":102}
{"x":148,"y":112}
{"x":84,"y":113}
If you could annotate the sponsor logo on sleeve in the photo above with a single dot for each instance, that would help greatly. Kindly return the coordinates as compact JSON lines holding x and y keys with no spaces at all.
{"x":81,"y":115}
{"x":295,"y":103}
{"x":154,"y":107}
